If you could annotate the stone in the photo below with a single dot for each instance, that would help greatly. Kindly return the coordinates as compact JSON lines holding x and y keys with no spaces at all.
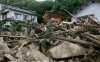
{"x":78,"y":38}
{"x":66,"y":49}
{"x":36,"y":55}
{"x":20,"y":42}
{"x":19,"y":55}
{"x":24,"y":50}
{"x":61,"y":61}
{"x":4,"y":48}
{"x":39,"y":61}
{"x":18,"y":60}
{"x":33,"y":46}
{"x":11,"y":58}
{"x":1,"y":40}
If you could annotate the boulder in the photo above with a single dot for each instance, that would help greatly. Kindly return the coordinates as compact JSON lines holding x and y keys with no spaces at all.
{"x":24,"y":50}
{"x":39,"y":61}
{"x":1,"y":40}
{"x":19,"y":55}
{"x":66,"y":49}
{"x":4,"y":48}
{"x":33,"y":46}
{"x":11,"y":58}
{"x":36,"y":55}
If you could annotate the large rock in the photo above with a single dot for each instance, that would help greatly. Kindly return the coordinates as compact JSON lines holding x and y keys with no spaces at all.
{"x":33,"y":46}
{"x":39,"y":61}
{"x":66,"y":49}
{"x":1,"y":40}
{"x":18,"y":60}
{"x":36,"y":55}
{"x":11,"y":58}
{"x":4,"y":48}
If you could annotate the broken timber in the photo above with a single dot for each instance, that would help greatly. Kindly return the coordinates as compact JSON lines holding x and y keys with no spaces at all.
{"x":74,"y":40}
{"x":73,"y":16}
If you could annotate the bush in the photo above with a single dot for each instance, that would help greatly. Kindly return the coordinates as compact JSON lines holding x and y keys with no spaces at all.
{"x":18,"y":27}
{"x":1,"y":23}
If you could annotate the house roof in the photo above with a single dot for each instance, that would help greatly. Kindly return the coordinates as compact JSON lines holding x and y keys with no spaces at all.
{"x":85,"y":5}
{"x":20,"y":9}
{"x":56,"y":15}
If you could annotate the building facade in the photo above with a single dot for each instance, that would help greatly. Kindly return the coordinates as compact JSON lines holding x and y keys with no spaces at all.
{"x":11,"y":13}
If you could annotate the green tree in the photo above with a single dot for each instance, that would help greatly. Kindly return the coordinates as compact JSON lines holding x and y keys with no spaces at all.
{"x":1,"y":23}
{"x":70,"y":5}
{"x":19,"y":27}
{"x":40,"y":8}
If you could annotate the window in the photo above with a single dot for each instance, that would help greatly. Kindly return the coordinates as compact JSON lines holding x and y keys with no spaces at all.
{"x":25,"y":17}
{"x":4,"y":15}
{"x":17,"y":16}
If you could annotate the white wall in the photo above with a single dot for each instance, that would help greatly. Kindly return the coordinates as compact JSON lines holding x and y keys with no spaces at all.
{"x":35,"y":18}
{"x":8,"y":23}
{"x":11,"y":14}
{"x":0,"y":6}
{"x":93,"y":8}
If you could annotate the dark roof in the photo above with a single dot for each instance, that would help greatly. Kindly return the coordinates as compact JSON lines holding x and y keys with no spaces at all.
{"x":85,"y":5}
{"x":21,"y":9}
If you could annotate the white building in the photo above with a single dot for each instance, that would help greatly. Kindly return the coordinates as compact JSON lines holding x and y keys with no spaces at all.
{"x":91,"y":8}
{"x":10,"y":12}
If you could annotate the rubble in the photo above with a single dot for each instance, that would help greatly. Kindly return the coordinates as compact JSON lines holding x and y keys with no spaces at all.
{"x":9,"y":57}
{"x":4,"y":49}
{"x":1,"y":40}
{"x":36,"y":55}
{"x":68,"y":42}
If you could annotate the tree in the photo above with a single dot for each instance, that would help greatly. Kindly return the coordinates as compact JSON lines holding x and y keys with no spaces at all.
{"x":19,"y":27}
{"x":70,"y":5}
{"x":1,"y":23}
{"x":39,"y":7}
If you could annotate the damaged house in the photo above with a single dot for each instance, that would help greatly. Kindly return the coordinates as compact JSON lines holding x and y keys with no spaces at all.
{"x":57,"y":16}
{"x":90,"y":8}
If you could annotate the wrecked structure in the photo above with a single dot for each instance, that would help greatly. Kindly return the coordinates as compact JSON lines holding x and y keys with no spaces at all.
{"x":69,"y":43}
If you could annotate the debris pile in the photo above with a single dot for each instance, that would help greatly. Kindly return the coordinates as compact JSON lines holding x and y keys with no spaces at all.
{"x":65,"y":42}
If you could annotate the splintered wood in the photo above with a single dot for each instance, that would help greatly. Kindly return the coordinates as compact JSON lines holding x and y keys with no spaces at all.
{"x":67,"y":43}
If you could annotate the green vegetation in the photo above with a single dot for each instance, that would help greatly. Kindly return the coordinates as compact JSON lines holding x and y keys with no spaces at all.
{"x":1,"y":23}
{"x":70,"y":5}
{"x":19,"y":27}
{"x":47,"y":5}
{"x":7,"y":27}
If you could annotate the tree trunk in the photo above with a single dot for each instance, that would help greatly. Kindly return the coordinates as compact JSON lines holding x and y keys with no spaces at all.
{"x":74,"y":40}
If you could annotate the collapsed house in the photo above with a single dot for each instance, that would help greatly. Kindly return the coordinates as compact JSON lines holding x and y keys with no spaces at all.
{"x":59,"y":19}
{"x":57,"y":16}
